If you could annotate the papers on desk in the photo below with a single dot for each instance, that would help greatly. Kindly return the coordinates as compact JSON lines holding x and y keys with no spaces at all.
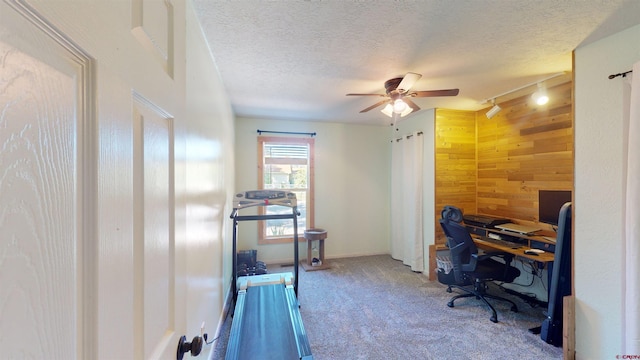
{"x":518,"y":228}
{"x":534,"y":251}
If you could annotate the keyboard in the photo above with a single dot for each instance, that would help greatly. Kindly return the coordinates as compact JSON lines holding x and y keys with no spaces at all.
{"x":501,"y":242}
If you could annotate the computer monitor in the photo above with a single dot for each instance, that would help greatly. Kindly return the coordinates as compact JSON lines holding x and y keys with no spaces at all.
{"x":549,"y":204}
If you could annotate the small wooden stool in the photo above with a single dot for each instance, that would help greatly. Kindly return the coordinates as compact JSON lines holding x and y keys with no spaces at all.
{"x":315,"y":235}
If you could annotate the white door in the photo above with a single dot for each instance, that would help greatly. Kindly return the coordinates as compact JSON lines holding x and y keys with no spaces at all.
{"x":44,"y":218}
{"x":155,"y":289}
{"x":79,"y":277}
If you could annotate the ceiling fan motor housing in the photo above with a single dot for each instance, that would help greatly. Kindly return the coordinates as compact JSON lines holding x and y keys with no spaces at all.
{"x":392,"y":84}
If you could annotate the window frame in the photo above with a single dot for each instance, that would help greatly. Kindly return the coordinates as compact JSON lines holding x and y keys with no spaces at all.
{"x":263,"y":238}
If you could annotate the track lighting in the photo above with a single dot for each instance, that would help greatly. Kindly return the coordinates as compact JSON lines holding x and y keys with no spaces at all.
{"x":494,"y":110}
{"x":540,"y":96}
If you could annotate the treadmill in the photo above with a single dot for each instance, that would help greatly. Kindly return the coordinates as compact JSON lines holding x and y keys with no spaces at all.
{"x":266,"y":320}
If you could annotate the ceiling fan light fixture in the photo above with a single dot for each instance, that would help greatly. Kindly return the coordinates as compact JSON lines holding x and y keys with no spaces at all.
{"x":540,"y":96}
{"x":399,"y":106}
{"x":406,"y":111}
{"x":388,"y":110}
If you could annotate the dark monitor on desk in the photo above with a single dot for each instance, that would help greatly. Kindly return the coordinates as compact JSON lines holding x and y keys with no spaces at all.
{"x":549,"y":204}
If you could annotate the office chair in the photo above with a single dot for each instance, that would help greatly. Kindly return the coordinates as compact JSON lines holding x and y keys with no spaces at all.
{"x":472,"y":271}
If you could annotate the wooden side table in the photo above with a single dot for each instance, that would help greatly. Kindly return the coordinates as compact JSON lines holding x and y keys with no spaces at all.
{"x":312,"y":235}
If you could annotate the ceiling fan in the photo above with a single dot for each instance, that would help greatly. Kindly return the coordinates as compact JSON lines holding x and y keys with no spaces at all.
{"x":398,"y":94}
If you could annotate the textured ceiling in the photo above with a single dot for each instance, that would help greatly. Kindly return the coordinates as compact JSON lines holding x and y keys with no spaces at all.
{"x":297,"y":59}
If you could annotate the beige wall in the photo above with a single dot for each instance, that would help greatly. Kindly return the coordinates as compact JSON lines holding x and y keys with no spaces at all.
{"x":208,"y":171}
{"x":352,"y":185}
{"x":600,"y":132}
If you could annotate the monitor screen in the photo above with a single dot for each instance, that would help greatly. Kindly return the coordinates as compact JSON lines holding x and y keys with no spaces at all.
{"x":549,"y":204}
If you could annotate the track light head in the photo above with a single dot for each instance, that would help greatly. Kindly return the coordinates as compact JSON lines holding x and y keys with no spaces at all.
{"x":540,"y":96}
{"x":494,"y":110}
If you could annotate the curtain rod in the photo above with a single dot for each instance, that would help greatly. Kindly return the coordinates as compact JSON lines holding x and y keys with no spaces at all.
{"x":286,"y":132}
{"x":408,"y":136}
{"x":624,"y":74}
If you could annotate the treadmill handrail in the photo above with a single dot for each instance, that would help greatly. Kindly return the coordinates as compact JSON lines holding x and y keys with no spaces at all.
{"x":289,"y":201}
{"x":263,"y":217}
{"x":264,"y":197}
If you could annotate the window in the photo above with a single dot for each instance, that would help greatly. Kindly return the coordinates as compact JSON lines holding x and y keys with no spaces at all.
{"x":285,"y":163}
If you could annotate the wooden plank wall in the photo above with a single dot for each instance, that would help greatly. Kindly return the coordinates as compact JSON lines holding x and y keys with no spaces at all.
{"x":496,"y":166}
{"x":525,"y":148}
{"x":455,"y":163}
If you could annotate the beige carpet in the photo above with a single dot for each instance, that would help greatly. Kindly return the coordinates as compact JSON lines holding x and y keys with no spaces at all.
{"x":376,"y":308}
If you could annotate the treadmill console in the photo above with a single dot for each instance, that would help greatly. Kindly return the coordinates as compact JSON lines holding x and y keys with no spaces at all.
{"x":263,"y":198}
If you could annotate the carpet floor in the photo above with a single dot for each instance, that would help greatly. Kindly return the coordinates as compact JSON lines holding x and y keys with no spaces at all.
{"x":374,"y":307}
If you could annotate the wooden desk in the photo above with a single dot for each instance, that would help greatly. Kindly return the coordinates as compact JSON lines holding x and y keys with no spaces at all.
{"x":544,"y":258}
{"x":538,"y":241}
{"x":489,"y":246}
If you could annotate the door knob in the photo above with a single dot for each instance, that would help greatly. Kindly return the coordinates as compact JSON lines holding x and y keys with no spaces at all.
{"x":195,"y":346}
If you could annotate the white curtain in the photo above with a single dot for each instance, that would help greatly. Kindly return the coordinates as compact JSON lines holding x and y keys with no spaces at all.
{"x":397,"y":243}
{"x":406,"y":205}
{"x":632,"y":221}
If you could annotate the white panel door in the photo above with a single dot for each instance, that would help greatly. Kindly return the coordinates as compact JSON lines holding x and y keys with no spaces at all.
{"x":44,"y":219}
{"x":53,"y":183}
{"x":154,"y":243}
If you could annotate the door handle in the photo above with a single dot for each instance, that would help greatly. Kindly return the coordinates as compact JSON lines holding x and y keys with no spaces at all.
{"x":195,"y":346}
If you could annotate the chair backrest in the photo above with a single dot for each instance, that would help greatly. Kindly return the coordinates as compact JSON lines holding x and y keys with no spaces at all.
{"x":560,"y":282}
{"x":459,"y":241}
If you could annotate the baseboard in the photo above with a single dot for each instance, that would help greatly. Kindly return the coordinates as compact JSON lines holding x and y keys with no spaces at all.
{"x":226,"y":308}
{"x":289,"y":262}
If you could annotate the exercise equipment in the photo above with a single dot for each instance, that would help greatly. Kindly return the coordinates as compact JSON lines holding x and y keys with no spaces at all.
{"x":266,"y":318}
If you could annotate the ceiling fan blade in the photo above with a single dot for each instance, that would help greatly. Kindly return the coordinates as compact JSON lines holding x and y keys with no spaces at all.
{"x":411,"y":104}
{"x":366,"y":95}
{"x":431,"y":93}
{"x":408,"y":81}
{"x":375,"y":105}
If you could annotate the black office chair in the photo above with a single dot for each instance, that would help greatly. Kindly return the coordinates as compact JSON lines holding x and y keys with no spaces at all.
{"x":472,"y":271}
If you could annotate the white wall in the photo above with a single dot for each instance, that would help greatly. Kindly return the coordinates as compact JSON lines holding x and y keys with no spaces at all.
{"x":600,"y":132}
{"x":352,"y":182}
{"x":424,"y":121}
{"x":209,"y":176}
